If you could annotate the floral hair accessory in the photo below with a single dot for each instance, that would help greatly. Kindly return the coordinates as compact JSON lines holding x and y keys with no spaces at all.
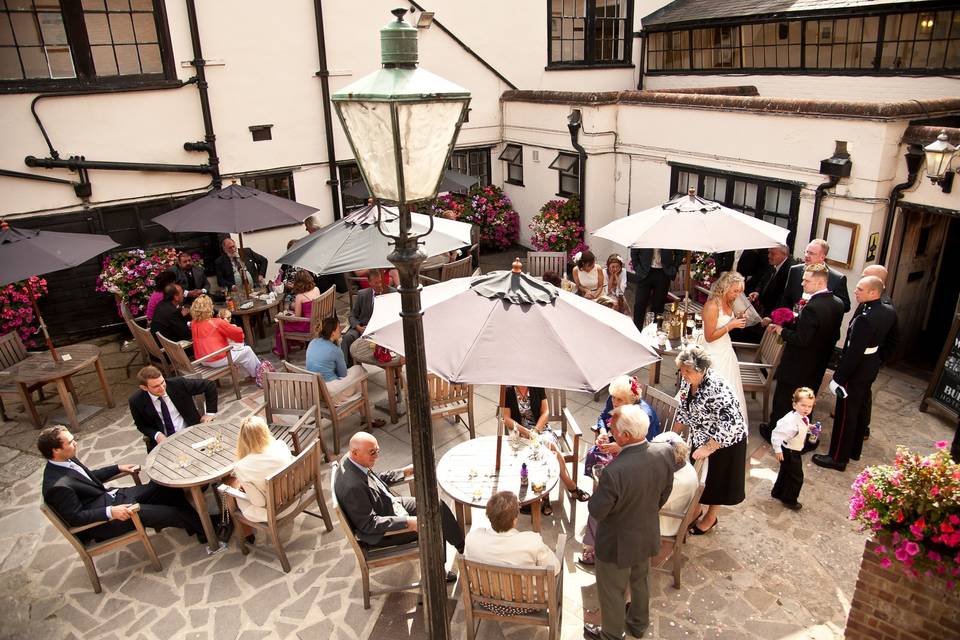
{"x":782,"y":316}
{"x":634,"y":386}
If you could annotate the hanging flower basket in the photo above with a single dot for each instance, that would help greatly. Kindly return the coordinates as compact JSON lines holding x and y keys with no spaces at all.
{"x":487,"y":208}
{"x":130,"y":275}
{"x":557,"y":228}
{"x":16,"y":309}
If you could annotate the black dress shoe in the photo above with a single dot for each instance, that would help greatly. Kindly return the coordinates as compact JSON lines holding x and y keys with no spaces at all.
{"x":591,"y":631}
{"x":795,"y":506}
{"x":827,"y":462}
{"x":451,"y":576}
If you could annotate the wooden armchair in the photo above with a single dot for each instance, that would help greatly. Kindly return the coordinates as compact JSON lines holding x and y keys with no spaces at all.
{"x":448,"y":399}
{"x":155,"y":355}
{"x":353,"y":286}
{"x":320,"y":308}
{"x":539,"y":262}
{"x":130,"y":321}
{"x":570,"y":433}
{"x":289,"y":493}
{"x":12,"y":351}
{"x":183,"y":365}
{"x":335,"y":413}
{"x":536,"y":590}
{"x":665,"y":406}
{"x":673,"y":561}
{"x":87,"y":551}
{"x":757,"y":374}
{"x":374,"y":557}
{"x":290,"y":404}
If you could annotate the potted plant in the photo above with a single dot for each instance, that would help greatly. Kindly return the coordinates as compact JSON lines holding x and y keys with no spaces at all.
{"x":489,"y":209}
{"x":557,"y":228}
{"x":703,"y":271}
{"x":129,"y":275}
{"x":16,"y":308}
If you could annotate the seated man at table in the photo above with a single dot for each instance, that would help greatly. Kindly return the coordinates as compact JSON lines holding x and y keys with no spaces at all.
{"x":362,"y":311}
{"x":228,"y":266}
{"x":79,"y":497}
{"x":163,"y":407}
{"x":378,"y":517}
{"x":169,"y":318}
{"x":190,"y":276}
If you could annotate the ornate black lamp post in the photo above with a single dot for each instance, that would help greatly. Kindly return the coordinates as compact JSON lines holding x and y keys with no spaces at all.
{"x":402,"y":122}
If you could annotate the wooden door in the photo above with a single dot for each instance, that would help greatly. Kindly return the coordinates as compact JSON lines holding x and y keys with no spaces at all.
{"x":915,"y":277}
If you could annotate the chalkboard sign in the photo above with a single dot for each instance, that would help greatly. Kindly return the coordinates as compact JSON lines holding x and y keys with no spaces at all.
{"x":944,"y":389}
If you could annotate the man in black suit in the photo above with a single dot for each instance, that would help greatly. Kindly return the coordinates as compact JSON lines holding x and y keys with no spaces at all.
{"x":752,"y":264}
{"x":868,"y":339}
{"x":655,"y":269}
{"x":79,"y":497}
{"x":169,"y":317}
{"x":815,"y":253}
{"x":626,"y":506}
{"x":190,"y":277}
{"x":362,"y":311}
{"x":809,"y":344}
{"x":766,"y":290}
{"x":378,"y":517}
{"x":163,"y":407}
{"x":229,"y":265}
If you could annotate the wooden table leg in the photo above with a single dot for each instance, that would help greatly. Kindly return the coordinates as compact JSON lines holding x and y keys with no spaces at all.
{"x":73,"y":392}
{"x":458,"y":508}
{"x":213,"y":543}
{"x":103,"y":382}
{"x":535,"y":515}
{"x":68,"y":407}
{"x":27,"y":398}
{"x":392,"y":393}
{"x":247,"y":331}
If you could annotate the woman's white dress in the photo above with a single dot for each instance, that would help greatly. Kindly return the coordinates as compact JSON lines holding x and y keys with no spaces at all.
{"x":725,"y":360}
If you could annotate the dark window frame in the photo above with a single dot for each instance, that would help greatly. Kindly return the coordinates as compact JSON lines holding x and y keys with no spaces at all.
{"x":513,"y":165}
{"x":853,"y":53}
{"x":348,"y":174}
{"x":731,"y":178}
{"x":73,"y":17}
{"x":475,"y":157}
{"x":590,"y":20}
{"x":573,"y":173}
{"x":265,"y":182}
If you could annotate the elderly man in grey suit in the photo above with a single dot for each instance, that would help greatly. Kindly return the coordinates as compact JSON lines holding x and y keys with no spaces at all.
{"x":626,"y":505}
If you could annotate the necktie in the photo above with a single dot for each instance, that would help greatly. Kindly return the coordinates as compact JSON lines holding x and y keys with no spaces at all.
{"x":167,"y":420}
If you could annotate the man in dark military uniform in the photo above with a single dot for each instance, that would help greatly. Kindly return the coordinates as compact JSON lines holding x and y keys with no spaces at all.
{"x":868,"y":340}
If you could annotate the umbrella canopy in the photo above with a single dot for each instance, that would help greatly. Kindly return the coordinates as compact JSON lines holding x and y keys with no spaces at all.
{"x":235,"y":209}
{"x":511,"y":329}
{"x":693,"y":224}
{"x":452,"y":181}
{"x":354,"y":242}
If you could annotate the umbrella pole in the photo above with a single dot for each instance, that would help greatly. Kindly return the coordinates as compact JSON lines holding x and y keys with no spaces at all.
{"x":243,"y":270}
{"x":43,"y":327}
{"x":686,"y":285}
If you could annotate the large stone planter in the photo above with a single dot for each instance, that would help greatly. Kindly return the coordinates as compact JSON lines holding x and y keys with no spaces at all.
{"x":888,"y":605}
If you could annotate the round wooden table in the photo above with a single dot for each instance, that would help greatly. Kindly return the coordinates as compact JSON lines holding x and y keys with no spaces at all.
{"x":467,"y":474}
{"x":186,"y":460}
{"x":259,"y":307}
{"x":40,"y":368}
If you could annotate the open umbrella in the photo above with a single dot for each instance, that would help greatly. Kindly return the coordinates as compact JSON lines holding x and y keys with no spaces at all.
{"x":25,"y":253}
{"x":507,"y":328}
{"x":354,"y":242}
{"x":692,"y":223}
{"x":452,"y":181}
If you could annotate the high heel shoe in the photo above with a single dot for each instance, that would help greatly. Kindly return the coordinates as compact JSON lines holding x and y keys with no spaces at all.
{"x":697,"y":531}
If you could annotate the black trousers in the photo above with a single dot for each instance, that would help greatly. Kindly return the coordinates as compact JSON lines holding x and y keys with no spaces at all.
{"x":451,"y":529}
{"x":160,"y":507}
{"x":790,"y":479}
{"x":651,"y":291}
{"x":851,"y":418}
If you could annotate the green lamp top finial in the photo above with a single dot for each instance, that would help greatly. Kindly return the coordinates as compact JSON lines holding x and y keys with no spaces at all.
{"x":398,"y":42}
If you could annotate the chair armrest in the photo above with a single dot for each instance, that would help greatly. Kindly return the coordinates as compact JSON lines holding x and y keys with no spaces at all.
{"x":227,"y":490}
{"x":574,"y":427}
{"x":214,"y":355}
{"x":746,"y":345}
{"x":134,"y":473}
{"x":428,"y":280}
{"x":756,"y":365}
{"x":304,"y":419}
{"x":282,"y":318}
{"x":673,"y":514}
{"x":134,"y":508}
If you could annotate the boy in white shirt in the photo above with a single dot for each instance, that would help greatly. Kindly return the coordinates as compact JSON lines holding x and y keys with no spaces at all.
{"x":787,"y":440}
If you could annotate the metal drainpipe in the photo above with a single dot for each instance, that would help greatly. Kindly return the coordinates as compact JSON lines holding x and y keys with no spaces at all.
{"x":817,"y":200}
{"x":574,"y":127}
{"x":210,"y":139}
{"x":914,"y":157}
{"x":642,"y":37}
{"x":324,"y":75}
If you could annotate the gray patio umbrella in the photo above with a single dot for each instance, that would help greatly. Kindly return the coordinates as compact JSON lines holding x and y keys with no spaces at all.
{"x":354,"y":242}
{"x":26,"y":252}
{"x":508,"y":328}
{"x":452,"y":181}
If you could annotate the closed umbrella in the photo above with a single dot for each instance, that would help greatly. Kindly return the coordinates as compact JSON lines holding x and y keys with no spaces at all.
{"x":507,"y":328}
{"x":452,"y":181}
{"x":354,"y":242}
{"x":25,"y":253}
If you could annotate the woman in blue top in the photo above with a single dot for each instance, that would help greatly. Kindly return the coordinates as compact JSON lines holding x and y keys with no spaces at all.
{"x":325,"y":357}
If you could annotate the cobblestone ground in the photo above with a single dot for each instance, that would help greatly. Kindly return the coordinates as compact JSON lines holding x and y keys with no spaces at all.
{"x":764,"y":572}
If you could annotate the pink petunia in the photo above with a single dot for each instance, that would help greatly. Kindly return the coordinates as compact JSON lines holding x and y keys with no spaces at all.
{"x":885,"y":562}
{"x":912,"y":548}
{"x":942,"y":444}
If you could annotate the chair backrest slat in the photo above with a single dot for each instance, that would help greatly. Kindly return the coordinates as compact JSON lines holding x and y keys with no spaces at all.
{"x":663,"y":405}
{"x":320,"y":387}
{"x":325,"y":304}
{"x":539,"y":262}
{"x":457,"y":269}
{"x":285,"y":487}
{"x":176,"y":353}
{"x":12,"y":350}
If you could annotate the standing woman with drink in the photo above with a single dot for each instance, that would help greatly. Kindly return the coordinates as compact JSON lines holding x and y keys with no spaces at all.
{"x":719,"y":319}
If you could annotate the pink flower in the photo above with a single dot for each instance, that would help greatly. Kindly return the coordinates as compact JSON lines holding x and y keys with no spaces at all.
{"x":885,"y":562}
{"x":912,"y":548}
{"x":942,"y":444}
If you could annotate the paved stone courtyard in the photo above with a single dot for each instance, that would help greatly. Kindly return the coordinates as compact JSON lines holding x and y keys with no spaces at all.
{"x":764,"y":572}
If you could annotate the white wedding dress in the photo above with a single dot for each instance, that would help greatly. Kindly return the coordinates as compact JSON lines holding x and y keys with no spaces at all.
{"x":725,"y":360}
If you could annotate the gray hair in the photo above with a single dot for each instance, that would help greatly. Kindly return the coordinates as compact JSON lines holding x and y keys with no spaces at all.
{"x":694,"y":356}
{"x":632,"y":421}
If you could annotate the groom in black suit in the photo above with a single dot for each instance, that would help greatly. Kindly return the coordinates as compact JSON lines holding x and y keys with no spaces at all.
{"x":79,"y":497}
{"x":162,"y":407}
{"x":809,"y":344}
{"x":815,"y":253}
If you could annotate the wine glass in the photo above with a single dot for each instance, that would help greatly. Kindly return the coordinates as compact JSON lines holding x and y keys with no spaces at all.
{"x":183,"y":460}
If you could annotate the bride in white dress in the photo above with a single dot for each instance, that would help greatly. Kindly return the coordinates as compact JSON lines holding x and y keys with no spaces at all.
{"x":718,"y":321}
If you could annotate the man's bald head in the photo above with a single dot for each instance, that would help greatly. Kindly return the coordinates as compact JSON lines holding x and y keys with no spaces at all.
{"x":868,"y":289}
{"x":877,"y":271}
{"x":364,"y":449}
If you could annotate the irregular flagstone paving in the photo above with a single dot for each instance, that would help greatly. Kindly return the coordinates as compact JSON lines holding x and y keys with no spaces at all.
{"x":765,"y":572}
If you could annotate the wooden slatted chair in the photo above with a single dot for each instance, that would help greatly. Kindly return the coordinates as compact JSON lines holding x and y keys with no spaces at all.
{"x":183,"y":365}
{"x":149,"y":345}
{"x":87,"y":551}
{"x":665,"y":406}
{"x":130,"y":320}
{"x":319,"y":309}
{"x":374,"y":557}
{"x":289,"y":492}
{"x":534,"y":589}
{"x":461,"y":268}
{"x":570,"y":433}
{"x":12,"y":351}
{"x":673,"y":561}
{"x":335,"y":413}
{"x":539,"y":262}
{"x":757,"y":374}
{"x":291,"y":409}
{"x":451,"y":400}
{"x":353,"y":286}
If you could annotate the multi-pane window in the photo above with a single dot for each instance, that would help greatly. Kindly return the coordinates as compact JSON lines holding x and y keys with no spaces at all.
{"x":568,"y":168}
{"x":472,"y":162}
{"x":350,"y":176}
{"x":589,"y":31}
{"x":277,"y":184}
{"x":80,"y":40}
{"x":919,"y":41}
{"x":770,"y":200}
{"x":513,"y":155}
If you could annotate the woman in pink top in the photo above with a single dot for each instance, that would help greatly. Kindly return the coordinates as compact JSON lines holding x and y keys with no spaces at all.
{"x":210,"y":334}
{"x":160,"y":283}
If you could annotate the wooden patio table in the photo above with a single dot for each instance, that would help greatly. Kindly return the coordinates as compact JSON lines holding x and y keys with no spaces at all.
{"x":259,"y":307}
